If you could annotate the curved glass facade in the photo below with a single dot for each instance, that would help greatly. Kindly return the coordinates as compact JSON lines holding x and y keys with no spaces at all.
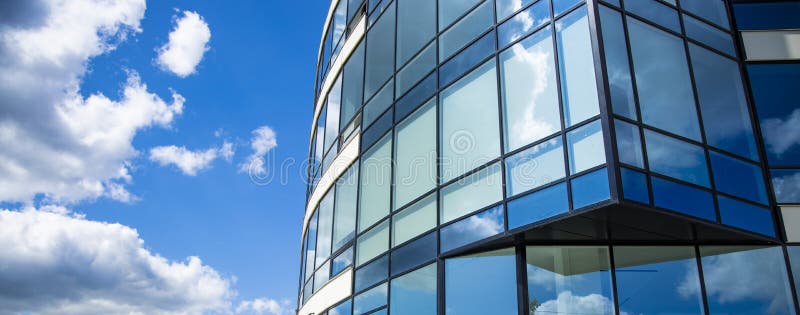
{"x":554,"y":157}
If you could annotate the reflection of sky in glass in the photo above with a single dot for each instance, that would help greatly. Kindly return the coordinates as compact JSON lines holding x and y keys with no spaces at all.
{"x":345,"y":215}
{"x":786,"y":184}
{"x":344,"y":260}
{"x":534,"y":167}
{"x":740,"y":281}
{"x":414,"y":293}
{"x":370,"y":300}
{"x":474,"y":228}
{"x":530,"y":98}
{"x":657,"y":280}
{"x":619,"y":71}
{"x":675,"y":158}
{"x":576,"y":67}
{"x":481,"y":284}
{"x":344,"y":308}
{"x":523,"y":22}
{"x":506,"y":7}
{"x":776,"y":97}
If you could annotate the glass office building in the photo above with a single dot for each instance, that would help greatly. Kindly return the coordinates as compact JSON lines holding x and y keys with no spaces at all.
{"x":554,"y":157}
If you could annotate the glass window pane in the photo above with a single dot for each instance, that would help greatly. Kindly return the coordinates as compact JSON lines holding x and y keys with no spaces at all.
{"x":791,"y":223}
{"x":522,"y":23}
{"x":471,"y":193}
{"x":658,"y":280}
{"x":414,"y":293}
{"x":629,"y":144}
{"x":761,"y":284}
{"x":345,"y":216}
{"x":416,"y":25}
{"x":746,"y":216}
{"x":655,"y":11}
{"x":660,"y":61}
{"x":634,"y":185}
{"x":776,"y":97}
{"x":723,"y":105}
{"x":586,"y":149}
{"x":709,"y":35}
{"x":450,"y":10}
{"x":675,"y":158}
{"x":413,"y":254}
{"x":321,"y":276}
{"x":682,"y":198}
{"x":372,"y":273}
{"x":569,"y":280}
{"x":530,"y":95}
{"x":344,"y":308}
{"x":481,"y":284}
{"x":353,"y":93}
{"x":472,"y":25}
{"x":738,"y":178}
{"x":380,"y":52}
{"x":339,"y":21}
{"x":378,"y":104}
{"x":416,"y":69}
{"x":376,"y":170}
{"x":472,"y":229}
{"x":414,"y":98}
{"x":619,"y":70}
{"x":559,"y":6}
{"x":576,"y":62}
{"x":372,"y":243}
{"x":325,"y":228}
{"x":538,"y":206}
{"x":414,"y":220}
{"x":469,"y":122}
{"x":794,"y":262}
{"x":308,"y":290}
{"x":767,"y":15}
{"x":506,"y":7}
{"x":786,"y":184}
{"x":341,"y":262}
{"x":535,"y":167}
{"x":415,"y":155}
{"x":370,"y":300}
{"x":311,"y":245}
{"x":712,"y":10}
{"x":466,"y":59}
{"x":332,"y":120}
{"x":590,"y":189}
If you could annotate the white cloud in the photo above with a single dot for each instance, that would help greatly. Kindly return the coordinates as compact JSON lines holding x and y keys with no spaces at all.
{"x":56,"y":142}
{"x":263,"y":141}
{"x":568,"y":303}
{"x":188,"y":161}
{"x":188,"y":41}
{"x":56,"y":263}
{"x":262,"y":306}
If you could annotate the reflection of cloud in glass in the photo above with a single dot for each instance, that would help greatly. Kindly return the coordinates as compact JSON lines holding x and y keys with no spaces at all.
{"x":567,"y":303}
{"x":482,"y":225}
{"x":781,"y":135}
{"x":422,"y":280}
{"x":786,"y":185}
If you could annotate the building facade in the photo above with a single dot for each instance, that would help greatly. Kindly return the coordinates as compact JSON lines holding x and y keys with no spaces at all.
{"x":554,"y":157}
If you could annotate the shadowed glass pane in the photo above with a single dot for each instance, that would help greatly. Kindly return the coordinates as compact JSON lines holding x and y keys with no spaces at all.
{"x":619,"y":70}
{"x":538,"y":206}
{"x":380,"y":52}
{"x":738,"y":178}
{"x":372,"y":273}
{"x":712,"y":10}
{"x":466,"y":30}
{"x":416,"y":24}
{"x":472,"y":229}
{"x":746,"y":216}
{"x":682,"y":198}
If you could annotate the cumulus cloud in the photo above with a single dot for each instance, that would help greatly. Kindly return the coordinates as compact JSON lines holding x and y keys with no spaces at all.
{"x":262,"y":306}
{"x":188,"y":41}
{"x":262,"y":141}
{"x":188,"y":161}
{"x":54,"y":262}
{"x":57,"y":143}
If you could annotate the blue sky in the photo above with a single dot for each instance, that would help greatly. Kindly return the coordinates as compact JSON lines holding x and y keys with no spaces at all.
{"x":257,"y":71}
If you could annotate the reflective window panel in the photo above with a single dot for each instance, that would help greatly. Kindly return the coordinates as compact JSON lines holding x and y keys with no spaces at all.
{"x":776,"y":96}
{"x":472,"y":229}
{"x":376,"y":170}
{"x":576,"y":65}
{"x":786,"y":185}
{"x":415,"y":155}
{"x":372,"y":243}
{"x":791,"y":223}
{"x":537,"y":206}
{"x":634,"y":185}
{"x":590,"y":188}
{"x":711,"y":10}
{"x":619,"y":70}
{"x":341,"y":262}
{"x":535,"y":167}
{"x":414,"y":293}
{"x":372,"y":273}
{"x":344,"y":220}
{"x":380,"y":52}
{"x":506,"y":7}
{"x":675,"y":158}
{"x":325,"y":228}
{"x":586,"y":149}
{"x":344,"y":308}
{"x":655,"y":11}
{"x":522,"y":23}
{"x":370,"y":300}
{"x":746,"y":216}
{"x":450,"y":10}
{"x":481,"y":284}
{"x":738,"y":178}
{"x":463,"y":32}
{"x":414,"y":254}
{"x":682,"y":198}
{"x":471,"y":193}
{"x":416,"y":25}
{"x":767,"y":16}
{"x":629,"y":144}
{"x":414,"y":220}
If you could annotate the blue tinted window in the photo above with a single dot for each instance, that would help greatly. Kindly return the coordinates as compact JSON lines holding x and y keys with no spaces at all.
{"x":590,"y":189}
{"x":463,"y":32}
{"x":311,"y":245}
{"x":767,"y":16}
{"x":372,"y":273}
{"x":538,"y":206}
{"x":353,"y":93}
{"x":662,"y":77}
{"x":352,"y":7}
{"x":709,"y":35}
{"x":376,"y":131}
{"x":466,"y":59}
{"x":481,"y":284}
{"x":322,"y":275}
{"x":415,"y":97}
{"x":658,"y":280}
{"x":370,"y":300}
{"x":776,"y":97}
{"x":569,"y":280}
{"x":414,"y":254}
{"x":619,"y":71}
{"x":682,"y":198}
{"x":506,"y":7}
{"x":344,"y":308}
{"x":586,"y":148}
{"x":472,"y":229}
{"x":794,"y":262}
{"x":380,"y":52}
{"x":523,"y":23}
{"x":634,"y":186}
{"x":418,"y":67}
{"x":450,"y":10}
{"x":760,"y":284}
{"x":746,"y":216}
{"x":655,"y":11}
{"x":675,"y":158}
{"x":416,"y":25}
{"x":712,"y":10}
{"x":723,"y":105}
{"x":535,"y":167}
{"x":738,"y":178}
{"x":786,"y":184}
{"x":576,"y":68}
{"x":341,"y":262}
{"x":629,"y":144}
{"x":378,"y":104}
{"x":414,"y":293}
{"x":559,"y":6}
